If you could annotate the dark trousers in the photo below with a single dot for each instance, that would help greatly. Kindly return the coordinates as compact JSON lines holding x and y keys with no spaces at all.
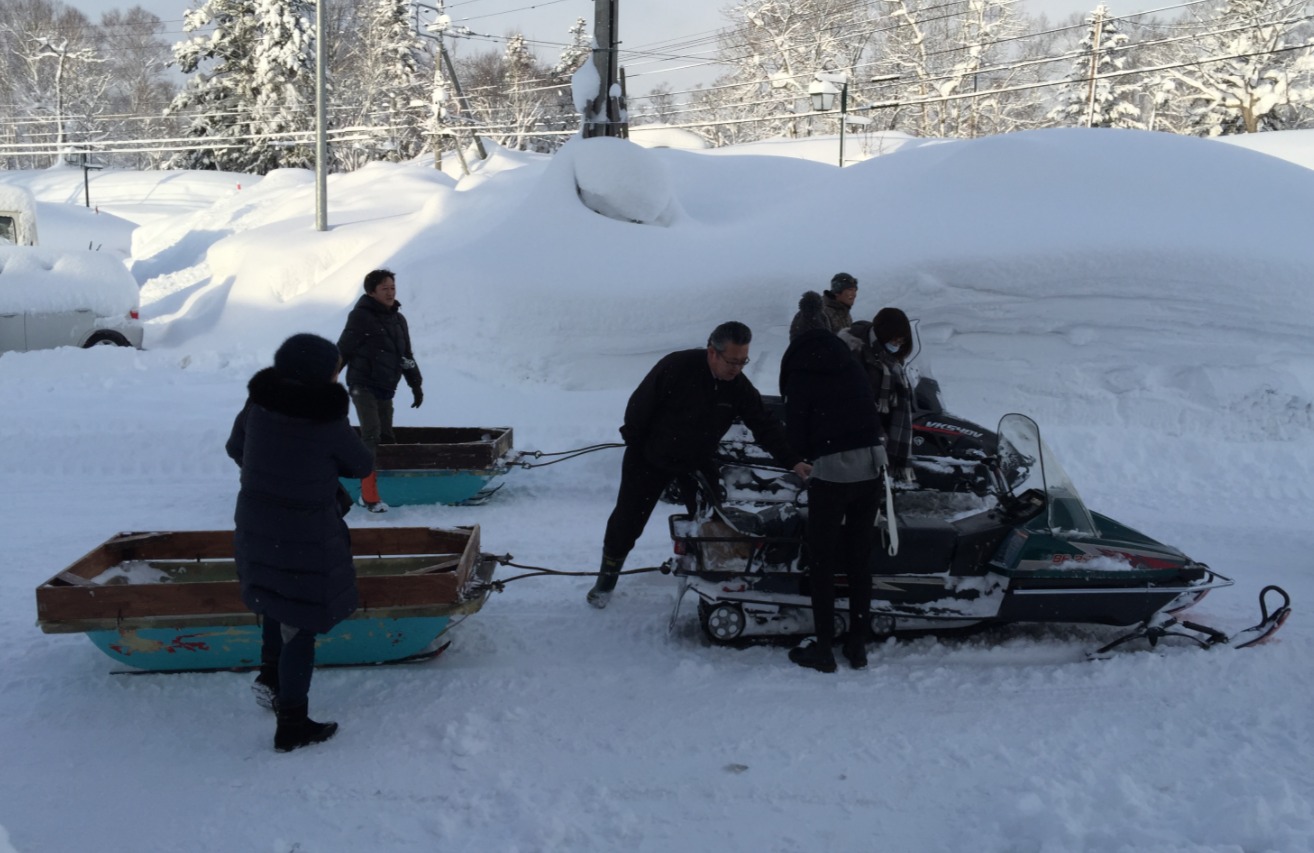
{"x":641,"y":486}
{"x":840,"y":536}
{"x":292,"y":650}
{"x":375,"y":417}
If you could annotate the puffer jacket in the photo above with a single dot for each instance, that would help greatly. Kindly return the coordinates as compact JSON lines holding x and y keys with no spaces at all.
{"x":828,"y":402}
{"x":376,"y":347}
{"x":837,"y":313}
{"x":293,"y":550}
{"x":680,"y":412}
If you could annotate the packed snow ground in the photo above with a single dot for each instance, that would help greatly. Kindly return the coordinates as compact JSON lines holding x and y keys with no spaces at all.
{"x":1146,"y":298}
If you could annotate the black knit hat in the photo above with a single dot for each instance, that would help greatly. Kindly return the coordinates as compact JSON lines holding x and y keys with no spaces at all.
{"x":308,"y":359}
{"x":841,"y":282}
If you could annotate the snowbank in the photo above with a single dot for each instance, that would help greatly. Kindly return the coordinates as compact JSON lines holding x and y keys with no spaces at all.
{"x":618,"y":179}
{"x":659,"y":135}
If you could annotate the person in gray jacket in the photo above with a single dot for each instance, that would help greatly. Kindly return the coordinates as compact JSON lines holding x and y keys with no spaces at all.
{"x":292,"y":441}
{"x":829,"y":310}
{"x":839,"y":299}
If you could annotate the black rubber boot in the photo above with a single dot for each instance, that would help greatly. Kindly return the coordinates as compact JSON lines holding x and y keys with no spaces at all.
{"x":296,"y":729}
{"x":607,"y":575}
{"x":855,"y":653}
{"x":265,"y":687}
{"x":813,"y":655}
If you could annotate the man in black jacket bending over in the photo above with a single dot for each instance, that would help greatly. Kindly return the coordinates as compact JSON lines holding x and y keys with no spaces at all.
{"x":376,"y":347}
{"x":673,"y":423}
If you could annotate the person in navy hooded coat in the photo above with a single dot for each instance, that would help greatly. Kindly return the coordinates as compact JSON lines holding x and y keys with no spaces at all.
{"x":292,"y":441}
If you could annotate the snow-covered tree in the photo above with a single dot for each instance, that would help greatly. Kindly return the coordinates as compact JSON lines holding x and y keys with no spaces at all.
{"x":250,"y":96}
{"x":944,"y":54}
{"x":575,"y":54}
{"x":390,"y":85}
{"x":776,"y":48}
{"x":513,"y":95}
{"x":1247,"y":71}
{"x":139,"y":91}
{"x":1097,"y":94}
{"x":52,"y":79}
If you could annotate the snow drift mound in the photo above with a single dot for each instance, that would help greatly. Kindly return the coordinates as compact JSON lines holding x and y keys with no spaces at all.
{"x":619,"y":179}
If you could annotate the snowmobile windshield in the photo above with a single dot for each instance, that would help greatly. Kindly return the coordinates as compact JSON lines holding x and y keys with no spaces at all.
{"x":1021,"y":446}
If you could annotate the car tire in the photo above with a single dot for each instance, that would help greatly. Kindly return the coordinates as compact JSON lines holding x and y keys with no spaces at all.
{"x":105,"y":338}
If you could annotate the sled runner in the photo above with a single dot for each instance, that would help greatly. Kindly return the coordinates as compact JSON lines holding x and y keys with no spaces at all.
{"x":439,"y":465}
{"x":170,"y":601}
{"x":1030,"y":552}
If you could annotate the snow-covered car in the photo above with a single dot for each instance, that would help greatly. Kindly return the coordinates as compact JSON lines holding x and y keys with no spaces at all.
{"x":17,"y":216}
{"x":55,"y":298}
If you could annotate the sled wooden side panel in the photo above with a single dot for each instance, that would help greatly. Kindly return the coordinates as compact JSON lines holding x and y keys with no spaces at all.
{"x":445,"y":449}
{"x":72,"y":597}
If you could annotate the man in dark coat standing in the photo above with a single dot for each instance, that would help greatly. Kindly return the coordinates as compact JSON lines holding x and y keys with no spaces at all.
{"x":673,"y":423}
{"x":376,"y":346}
{"x":831,"y":417}
{"x":292,"y":441}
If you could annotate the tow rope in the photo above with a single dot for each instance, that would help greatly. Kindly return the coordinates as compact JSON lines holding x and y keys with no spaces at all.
{"x":539,"y":571}
{"x":564,"y":454}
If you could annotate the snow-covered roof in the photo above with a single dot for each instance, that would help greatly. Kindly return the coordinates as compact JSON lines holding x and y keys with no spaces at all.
{"x":34,"y":280}
{"x":18,"y":203}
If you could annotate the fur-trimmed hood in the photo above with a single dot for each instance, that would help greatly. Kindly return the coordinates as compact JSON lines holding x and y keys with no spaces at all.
{"x":319,"y":403}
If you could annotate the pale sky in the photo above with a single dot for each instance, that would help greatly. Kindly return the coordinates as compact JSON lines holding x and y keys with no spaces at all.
{"x":679,"y":31}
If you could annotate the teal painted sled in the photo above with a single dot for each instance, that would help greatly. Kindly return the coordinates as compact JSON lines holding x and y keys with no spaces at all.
{"x":352,"y":643}
{"x":170,"y":602}
{"x":439,"y":465}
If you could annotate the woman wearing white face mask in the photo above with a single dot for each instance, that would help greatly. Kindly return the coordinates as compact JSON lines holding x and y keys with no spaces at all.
{"x":882,"y":346}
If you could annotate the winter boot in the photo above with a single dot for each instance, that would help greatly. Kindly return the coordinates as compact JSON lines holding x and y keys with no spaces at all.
{"x":296,"y":729}
{"x":369,"y":493}
{"x":813,"y":655}
{"x":607,"y":575}
{"x":265,"y":687}
{"x":856,"y":653}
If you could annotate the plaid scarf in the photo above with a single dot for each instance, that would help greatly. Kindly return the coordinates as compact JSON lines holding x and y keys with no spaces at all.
{"x":894,"y":402}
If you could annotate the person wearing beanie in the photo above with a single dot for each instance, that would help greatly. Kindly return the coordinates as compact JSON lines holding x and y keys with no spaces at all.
{"x":811,"y":315}
{"x":376,"y":346}
{"x":292,"y":441}
{"x":838,"y":299}
{"x":830,"y":418}
{"x":882,"y":347}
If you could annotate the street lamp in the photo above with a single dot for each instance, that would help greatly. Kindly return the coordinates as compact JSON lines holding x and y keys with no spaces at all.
{"x":87,"y":168}
{"x":822,"y":91}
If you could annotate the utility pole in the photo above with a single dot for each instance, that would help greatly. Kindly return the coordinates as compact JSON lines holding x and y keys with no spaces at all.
{"x":604,"y":114}
{"x":321,"y":117}
{"x":460,"y":94}
{"x":1094,"y":64}
{"x":438,"y":31}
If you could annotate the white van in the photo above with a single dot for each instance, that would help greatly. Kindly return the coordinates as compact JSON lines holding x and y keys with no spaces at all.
{"x":58,"y":298}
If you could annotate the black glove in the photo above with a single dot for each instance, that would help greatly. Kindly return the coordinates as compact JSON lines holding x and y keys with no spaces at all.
{"x":418,"y":395}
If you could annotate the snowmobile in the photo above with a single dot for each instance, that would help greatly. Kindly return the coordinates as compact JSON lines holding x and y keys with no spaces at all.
{"x":947,"y":451}
{"x":1026,"y":552}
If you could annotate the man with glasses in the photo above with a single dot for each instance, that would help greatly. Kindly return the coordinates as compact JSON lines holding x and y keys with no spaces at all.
{"x":673,"y":423}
